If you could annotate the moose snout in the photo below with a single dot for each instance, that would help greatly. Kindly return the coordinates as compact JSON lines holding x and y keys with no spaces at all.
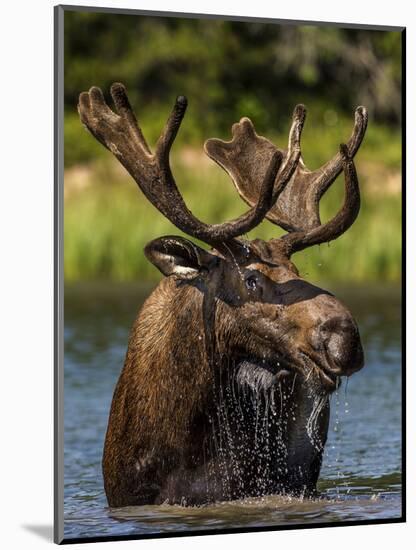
{"x":340,"y":341}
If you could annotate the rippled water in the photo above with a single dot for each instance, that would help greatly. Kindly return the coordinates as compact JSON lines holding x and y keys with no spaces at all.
{"x":361,"y":473}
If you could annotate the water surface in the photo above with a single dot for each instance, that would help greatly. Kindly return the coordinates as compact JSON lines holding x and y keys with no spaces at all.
{"x":361,"y":473}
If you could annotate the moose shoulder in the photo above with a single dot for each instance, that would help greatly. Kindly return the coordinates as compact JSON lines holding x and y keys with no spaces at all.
{"x":225,"y":388}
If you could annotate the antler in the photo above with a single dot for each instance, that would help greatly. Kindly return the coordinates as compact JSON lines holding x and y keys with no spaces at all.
{"x":121,"y":134}
{"x":297,"y":209}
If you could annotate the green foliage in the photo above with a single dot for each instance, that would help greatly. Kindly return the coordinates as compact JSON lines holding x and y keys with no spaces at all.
{"x":228,"y":70}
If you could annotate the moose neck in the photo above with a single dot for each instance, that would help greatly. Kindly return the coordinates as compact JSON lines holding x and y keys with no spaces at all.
{"x":176,"y":377}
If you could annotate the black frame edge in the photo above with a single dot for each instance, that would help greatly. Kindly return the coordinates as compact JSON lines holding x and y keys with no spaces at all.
{"x":58,"y":523}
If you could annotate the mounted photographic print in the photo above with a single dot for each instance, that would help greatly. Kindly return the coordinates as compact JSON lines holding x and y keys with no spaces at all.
{"x":228,"y":274}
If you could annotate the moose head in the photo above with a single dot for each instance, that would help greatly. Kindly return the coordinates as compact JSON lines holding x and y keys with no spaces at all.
{"x":228,"y":323}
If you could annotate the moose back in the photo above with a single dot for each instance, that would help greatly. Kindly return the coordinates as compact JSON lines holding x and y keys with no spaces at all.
{"x":231,"y":361}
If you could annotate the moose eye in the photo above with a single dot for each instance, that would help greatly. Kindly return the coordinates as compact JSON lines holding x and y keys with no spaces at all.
{"x":251,"y":283}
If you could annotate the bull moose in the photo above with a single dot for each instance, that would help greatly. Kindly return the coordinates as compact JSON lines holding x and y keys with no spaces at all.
{"x":231,"y":361}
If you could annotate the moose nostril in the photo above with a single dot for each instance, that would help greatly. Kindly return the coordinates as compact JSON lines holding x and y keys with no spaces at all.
{"x":341,"y":340}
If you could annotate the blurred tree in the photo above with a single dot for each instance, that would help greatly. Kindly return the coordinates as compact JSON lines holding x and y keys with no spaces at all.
{"x":230,"y":69}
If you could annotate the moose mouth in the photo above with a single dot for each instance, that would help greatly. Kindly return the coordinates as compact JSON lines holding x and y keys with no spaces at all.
{"x":263,"y":373}
{"x":328,"y":379}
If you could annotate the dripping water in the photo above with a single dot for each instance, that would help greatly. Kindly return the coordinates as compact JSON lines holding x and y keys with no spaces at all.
{"x":237,"y":265}
{"x":319,"y":402}
{"x":333,"y":451}
{"x":320,"y":256}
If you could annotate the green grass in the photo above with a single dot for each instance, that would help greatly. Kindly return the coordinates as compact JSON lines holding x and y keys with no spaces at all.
{"x":108,"y":222}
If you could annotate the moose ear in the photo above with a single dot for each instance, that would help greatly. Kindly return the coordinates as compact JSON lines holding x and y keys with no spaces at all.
{"x":178,"y":256}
